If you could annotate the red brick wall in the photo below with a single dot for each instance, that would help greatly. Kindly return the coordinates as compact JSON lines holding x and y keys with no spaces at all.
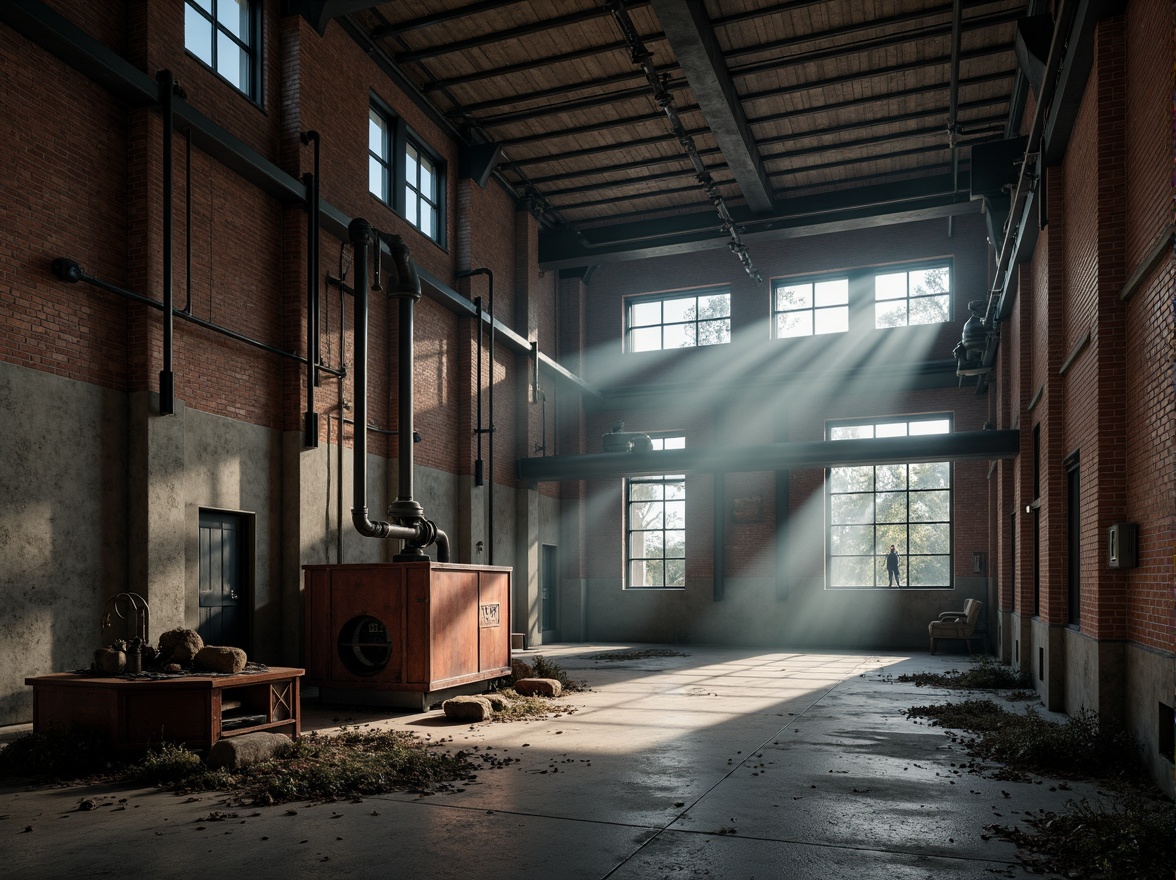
{"x":62,"y":195}
{"x":93,"y":191}
{"x":1149,"y":359}
{"x":1148,"y":124}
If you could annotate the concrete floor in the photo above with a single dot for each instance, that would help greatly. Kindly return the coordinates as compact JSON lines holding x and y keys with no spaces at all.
{"x":726,"y":763}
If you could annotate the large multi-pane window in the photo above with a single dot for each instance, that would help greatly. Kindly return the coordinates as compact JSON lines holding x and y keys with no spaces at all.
{"x":915,"y":296}
{"x":810,"y":308}
{"x":655,"y":526}
{"x":226,"y":35}
{"x":405,"y":174}
{"x":872,"y":507}
{"x":683,"y":319}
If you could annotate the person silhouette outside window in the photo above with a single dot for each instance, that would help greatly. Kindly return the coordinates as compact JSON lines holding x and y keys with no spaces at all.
{"x":892,"y":568}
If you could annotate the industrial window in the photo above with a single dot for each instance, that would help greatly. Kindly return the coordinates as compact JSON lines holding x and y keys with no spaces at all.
{"x":655,"y":526}
{"x":810,"y":308}
{"x":682,"y":319}
{"x":915,"y":296}
{"x":871,"y":507}
{"x":226,"y":35}
{"x":404,"y":173}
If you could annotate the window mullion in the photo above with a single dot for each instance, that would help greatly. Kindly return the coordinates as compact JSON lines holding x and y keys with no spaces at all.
{"x":399,"y":164}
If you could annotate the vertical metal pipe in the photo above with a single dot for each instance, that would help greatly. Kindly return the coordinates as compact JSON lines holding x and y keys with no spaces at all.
{"x":311,"y":438}
{"x":167,"y":393}
{"x":404,"y":402}
{"x":490,"y":395}
{"x":490,"y":427}
{"x":720,"y":537}
{"x":188,"y":219}
{"x":479,"y":474}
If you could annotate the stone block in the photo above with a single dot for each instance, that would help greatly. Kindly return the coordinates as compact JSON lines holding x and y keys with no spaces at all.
{"x":246,"y":749}
{"x":216,"y":658}
{"x":470,"y":708}
{"x":538,"y":687}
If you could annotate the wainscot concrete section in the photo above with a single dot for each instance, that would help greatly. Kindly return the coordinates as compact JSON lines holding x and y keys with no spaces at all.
{"x":63,"y":533}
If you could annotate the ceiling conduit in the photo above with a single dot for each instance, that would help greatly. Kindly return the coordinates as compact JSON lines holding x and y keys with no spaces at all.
{"x":642,"y":57}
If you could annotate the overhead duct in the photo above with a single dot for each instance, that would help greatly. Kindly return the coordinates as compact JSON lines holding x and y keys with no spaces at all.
{"x":409,"y":523}
{"x":1032,"y":48}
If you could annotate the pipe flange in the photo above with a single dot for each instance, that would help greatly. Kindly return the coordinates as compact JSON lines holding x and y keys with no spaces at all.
{"x":426,"y":533}
{"x":406,"y":510}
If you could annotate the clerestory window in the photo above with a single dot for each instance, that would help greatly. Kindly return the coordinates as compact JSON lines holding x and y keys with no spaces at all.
{"x":226,"y":35}
{"x":683,"y":319}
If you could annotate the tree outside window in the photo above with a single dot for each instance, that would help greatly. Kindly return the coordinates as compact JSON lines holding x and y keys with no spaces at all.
{"x":873,"y":506}
{"x":655,"y":521}
{"x":918,"y":296}
{"x":684,"y":319}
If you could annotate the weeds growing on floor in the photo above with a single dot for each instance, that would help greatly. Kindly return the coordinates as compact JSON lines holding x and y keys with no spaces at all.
{"x":1025,"y":742}
{"x":984,"y":674}
{"x":350,"y":764}
{"x":540,"y":667}
{"x":1127,"y":837}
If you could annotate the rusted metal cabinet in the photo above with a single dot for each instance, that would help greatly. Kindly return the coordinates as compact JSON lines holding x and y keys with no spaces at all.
{"x":405,"y":633}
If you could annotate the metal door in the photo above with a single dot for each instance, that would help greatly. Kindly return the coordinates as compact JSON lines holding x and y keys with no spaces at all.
{"x":548,"y":575}
{"x":223,"y":593}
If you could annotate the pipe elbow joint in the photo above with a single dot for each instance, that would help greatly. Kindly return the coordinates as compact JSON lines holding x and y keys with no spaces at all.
{"x":67,"y":270}
{"x":359,"y":231}
{"x":407,"y":281}
{"x":367,"y":528}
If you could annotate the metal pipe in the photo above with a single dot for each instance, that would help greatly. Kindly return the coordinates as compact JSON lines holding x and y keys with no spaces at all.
{"x":361,"y":235}
{"x":167,"y":388}
{"x":466,"y":273}
{"x":188,"y":220}
{"x":479,"y":473}
{"x":311,"y":438}
{"x":1026,"y":180}
{"x":69,"y":271}
{"x":411,"y":526}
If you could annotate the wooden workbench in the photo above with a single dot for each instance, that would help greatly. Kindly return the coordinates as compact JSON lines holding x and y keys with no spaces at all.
{"x":196,"y":710}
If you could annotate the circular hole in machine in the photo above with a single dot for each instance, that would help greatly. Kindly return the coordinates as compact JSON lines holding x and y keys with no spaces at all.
{"x":364,"y":645}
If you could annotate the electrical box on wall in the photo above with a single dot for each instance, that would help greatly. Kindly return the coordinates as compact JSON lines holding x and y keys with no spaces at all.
{"x":1122,"y":545}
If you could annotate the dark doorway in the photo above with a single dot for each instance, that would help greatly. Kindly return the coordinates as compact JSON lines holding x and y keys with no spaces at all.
{"x":548,"y":580}
{"x":224,"y":582}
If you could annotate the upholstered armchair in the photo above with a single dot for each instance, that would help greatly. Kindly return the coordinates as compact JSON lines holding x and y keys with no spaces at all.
{"x":956,"y":624}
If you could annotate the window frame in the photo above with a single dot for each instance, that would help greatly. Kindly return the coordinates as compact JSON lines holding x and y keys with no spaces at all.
{"x":908,"y":268}
{"x":634,"y":302}
{"x":812,"y":309}
{"x":659,"y":443}
{"x":251,"y":45}
{"x":878,"y":566}
{"x":398,"y":139}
